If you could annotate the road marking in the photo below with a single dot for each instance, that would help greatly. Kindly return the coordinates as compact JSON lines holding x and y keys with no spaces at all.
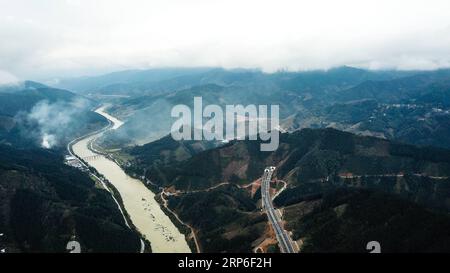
{"x":282,"y":237}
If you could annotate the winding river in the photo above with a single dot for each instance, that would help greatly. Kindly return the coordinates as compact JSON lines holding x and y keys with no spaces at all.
{"x":138,"y":200}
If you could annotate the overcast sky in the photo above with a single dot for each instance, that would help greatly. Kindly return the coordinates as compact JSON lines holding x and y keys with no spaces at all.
{"x":60,"y":38}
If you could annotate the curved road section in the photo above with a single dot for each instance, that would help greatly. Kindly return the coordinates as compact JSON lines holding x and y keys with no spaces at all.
{"x":283,"y":238}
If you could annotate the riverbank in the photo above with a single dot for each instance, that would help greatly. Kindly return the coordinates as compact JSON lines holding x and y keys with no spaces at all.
{"x":138,"y":201}
{"x":145,"y":246}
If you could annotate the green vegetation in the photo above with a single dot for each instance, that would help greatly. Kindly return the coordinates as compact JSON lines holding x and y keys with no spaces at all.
{"x":303,"y":156}
{"x":316,"y":163}
{"x":347,"y":220}
{"x":226,"y":218}
{"x":410,"y":107}
{"x":45,"y":203}
{"x":17,"y":102}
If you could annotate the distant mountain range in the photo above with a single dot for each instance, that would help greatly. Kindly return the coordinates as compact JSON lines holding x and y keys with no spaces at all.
{"x":364,"y":156}
{"x":150,"y":81}
{"x":135,"y":82}
{"x":409,"y":106}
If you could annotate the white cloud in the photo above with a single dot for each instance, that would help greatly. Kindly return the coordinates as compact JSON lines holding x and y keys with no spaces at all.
{"x":63,"y":38}
{"x":7,"y":78}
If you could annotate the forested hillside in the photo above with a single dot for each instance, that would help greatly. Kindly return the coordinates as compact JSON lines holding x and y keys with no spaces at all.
{"x":45,"y":204}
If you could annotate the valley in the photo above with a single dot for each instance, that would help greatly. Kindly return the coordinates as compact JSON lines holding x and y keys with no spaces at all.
{"x":314,"y":163}
{"x":138,"y":201}
{"x":228,"y":136}
{"x":351,"y":140}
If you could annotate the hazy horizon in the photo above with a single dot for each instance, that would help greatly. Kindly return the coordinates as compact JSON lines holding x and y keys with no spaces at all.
{"x":55,"y":80}
{"x":58,"y":39}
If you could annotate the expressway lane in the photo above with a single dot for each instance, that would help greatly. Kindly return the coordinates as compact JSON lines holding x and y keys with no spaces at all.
{"x":283,"y":238}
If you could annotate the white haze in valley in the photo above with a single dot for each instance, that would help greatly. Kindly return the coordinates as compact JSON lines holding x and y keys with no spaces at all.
{"x":48,"y":123}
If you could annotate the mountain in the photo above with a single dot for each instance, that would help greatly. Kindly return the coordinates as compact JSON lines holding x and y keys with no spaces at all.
{"x":309,"y":99}
{"x":336,"y":180}
{"x":324,"y":82}
{"x":413,"y":108}
{"x":406,"y":89}
{"x":419,"y":124}
{"x":131,"y":82}
{"x":226,"y":219}
{"x":31,"y":112}
{"x":329,"y":173}
{"x":347,"y":219}
{"x":167,"y":150}
{"x":303,"y":156}
{"x":148,"y":81}
{"x":44,"y":204}
{"x":295,"y":92}
{"x":24,"y":96}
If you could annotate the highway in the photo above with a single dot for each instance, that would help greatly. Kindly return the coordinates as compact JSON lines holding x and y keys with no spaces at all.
{"x":283,"y":238}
